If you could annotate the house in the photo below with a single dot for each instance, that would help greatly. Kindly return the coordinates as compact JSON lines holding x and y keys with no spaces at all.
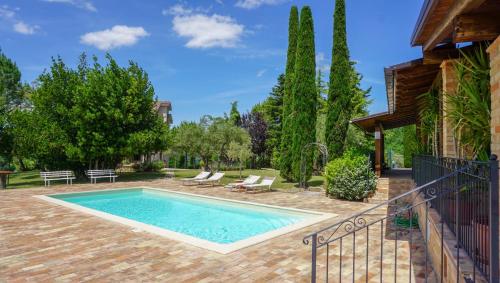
{"x":164,"y":108}
{"x":460,"y":194}
{"x":444,"y":27}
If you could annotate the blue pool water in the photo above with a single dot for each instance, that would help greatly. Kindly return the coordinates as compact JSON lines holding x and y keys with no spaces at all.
{"x":213,"y":220}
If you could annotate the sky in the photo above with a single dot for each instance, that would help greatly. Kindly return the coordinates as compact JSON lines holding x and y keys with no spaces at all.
{"x":203,"y":54}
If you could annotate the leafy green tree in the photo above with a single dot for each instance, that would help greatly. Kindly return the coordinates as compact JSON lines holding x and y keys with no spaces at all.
{"x":410,"y":144}
{"x":103,"y":113}
{"x":272,"y":110}
{"x":340,"y":90}
{"x":187,"y":139}
{"x":218,"y":133}
{"x":304,"y":96}
{"x":234,"y":115}
{"x":356,"y":140}
{"x":240,"y":152}
{"x":288,"y":115}
{"x":10,"y":99}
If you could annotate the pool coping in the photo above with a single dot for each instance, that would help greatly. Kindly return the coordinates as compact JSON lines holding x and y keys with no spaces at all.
{"x":187,"y":239}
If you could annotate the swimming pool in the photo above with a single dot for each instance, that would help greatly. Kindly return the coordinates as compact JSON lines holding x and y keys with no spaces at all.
{"x":213,"y":223}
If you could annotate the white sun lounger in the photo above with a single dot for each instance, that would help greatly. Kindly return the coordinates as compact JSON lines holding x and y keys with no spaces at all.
{"x":213,"y":180}
{"x":203,"y":175}
{"x":250,"y":180}
{"x":266,"y":182}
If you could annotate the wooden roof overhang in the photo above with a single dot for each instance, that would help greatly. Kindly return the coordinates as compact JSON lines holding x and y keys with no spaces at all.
{"x":404,"y":83}
{"x":455,"y":21}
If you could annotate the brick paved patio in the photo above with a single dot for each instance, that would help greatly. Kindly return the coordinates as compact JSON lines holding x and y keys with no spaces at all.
{"x":40,"y":241}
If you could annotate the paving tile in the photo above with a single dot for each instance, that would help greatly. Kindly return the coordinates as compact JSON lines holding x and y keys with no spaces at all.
{"x":40,"y":242}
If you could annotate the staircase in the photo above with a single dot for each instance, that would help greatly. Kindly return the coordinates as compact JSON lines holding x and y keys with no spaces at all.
{"x":382,"y":193}
{"x":392,"y":184}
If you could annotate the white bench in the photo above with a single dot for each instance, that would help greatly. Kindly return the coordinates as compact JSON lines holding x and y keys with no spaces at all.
{"x":106,"y":173}
{"x":48,"y":176}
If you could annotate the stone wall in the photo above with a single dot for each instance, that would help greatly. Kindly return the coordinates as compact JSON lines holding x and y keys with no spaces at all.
{"x":433,"y":231}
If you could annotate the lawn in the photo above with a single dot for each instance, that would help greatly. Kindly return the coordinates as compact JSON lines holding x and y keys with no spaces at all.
{"x":32,"y":178}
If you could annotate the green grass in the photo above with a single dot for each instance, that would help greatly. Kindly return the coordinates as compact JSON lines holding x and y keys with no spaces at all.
{"x":32,"y":178}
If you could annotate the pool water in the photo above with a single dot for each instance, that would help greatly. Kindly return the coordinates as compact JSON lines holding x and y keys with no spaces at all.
{"x":214,"y":220}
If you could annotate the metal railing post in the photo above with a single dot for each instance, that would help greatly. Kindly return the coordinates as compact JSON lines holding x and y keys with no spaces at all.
{"x":493,"y":218}
{"x":313,"y":258}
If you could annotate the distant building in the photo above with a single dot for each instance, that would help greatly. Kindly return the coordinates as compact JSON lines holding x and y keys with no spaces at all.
{"x":164,"y":108}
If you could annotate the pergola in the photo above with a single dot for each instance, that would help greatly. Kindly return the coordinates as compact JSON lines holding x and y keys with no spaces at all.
{"x":404,"y":83}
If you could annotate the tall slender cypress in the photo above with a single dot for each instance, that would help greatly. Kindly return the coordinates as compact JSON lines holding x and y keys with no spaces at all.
{"x":339,"y":95}
{"x":286,"y":138}
{"x":304,"y":96}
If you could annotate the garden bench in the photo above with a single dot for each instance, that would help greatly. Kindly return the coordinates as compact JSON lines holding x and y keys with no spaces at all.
{"x":48,"y":176}
{"x":106,"y":173}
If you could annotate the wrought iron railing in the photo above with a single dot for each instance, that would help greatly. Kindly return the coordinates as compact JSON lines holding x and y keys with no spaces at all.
{"x":384,"y":243}
{"x":466,"y":211}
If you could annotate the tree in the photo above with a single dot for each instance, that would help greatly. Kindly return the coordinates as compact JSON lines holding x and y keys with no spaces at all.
{"x":218,"y":134}
{"x":339,"y":96}
{"x":239,"y":152}
{"x":10,"y":99}
{"x":272,"y":111}
{"x":234,"y":115}
{"x":288,"y":115}
{"x":256,"y":127}
{"x":304,"y":96}
{"x":187,"y":139}
{"x":101,"y":113}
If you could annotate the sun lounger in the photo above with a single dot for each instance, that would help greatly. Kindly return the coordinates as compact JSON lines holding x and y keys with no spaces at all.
{"x":266,"y":183}
{"x":203,"y":175}
{"x":250,"y":180}
{"x":213,"y":180}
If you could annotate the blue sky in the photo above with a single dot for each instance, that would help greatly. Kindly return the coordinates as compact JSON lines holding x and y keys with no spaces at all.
{"x":201,"y":55}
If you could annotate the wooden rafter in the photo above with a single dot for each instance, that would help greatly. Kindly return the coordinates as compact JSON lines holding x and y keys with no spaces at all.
{"x":476,"y":27}
{"x":445,"y":28}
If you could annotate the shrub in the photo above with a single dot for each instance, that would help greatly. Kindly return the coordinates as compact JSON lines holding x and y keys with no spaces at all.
{"x":157,"y":165}
{"x":350,"y":177}
{"x":5,"y":165}
{"x":154,"y":166}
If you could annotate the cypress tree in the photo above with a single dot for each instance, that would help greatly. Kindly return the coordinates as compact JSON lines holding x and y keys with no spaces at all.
{"x":234,"y":115}
{"x":304,"y":96}
{"x":339,"y":94}
{"x":286,"y":137}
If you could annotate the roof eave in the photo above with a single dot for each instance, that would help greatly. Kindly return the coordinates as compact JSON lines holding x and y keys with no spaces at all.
{"x":426,"y":10}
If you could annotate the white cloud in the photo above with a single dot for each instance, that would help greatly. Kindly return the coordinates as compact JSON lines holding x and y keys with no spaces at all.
{"x":82,"y":4}
{"x":6,"y":12}
{"x":205,"y":31}
{"x":253,"y":4}
{"x":260,"y":73}
{"x":23,"y":28}
{"x":115,"y":37}
{"x":9,"y":15}
{"x":177,"y":9}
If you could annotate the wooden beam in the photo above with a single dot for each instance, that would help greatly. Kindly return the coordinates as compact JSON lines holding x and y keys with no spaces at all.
{"x":476,"y":27}
{"x":437,"y":55}
{"x":445,"y":27}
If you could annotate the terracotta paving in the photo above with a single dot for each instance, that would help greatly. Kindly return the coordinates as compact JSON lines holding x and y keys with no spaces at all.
{"x":41,"y":242}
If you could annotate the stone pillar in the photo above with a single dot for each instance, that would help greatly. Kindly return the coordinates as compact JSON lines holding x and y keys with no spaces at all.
{"x":449,"y":87}
{"x":494,"y":53}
